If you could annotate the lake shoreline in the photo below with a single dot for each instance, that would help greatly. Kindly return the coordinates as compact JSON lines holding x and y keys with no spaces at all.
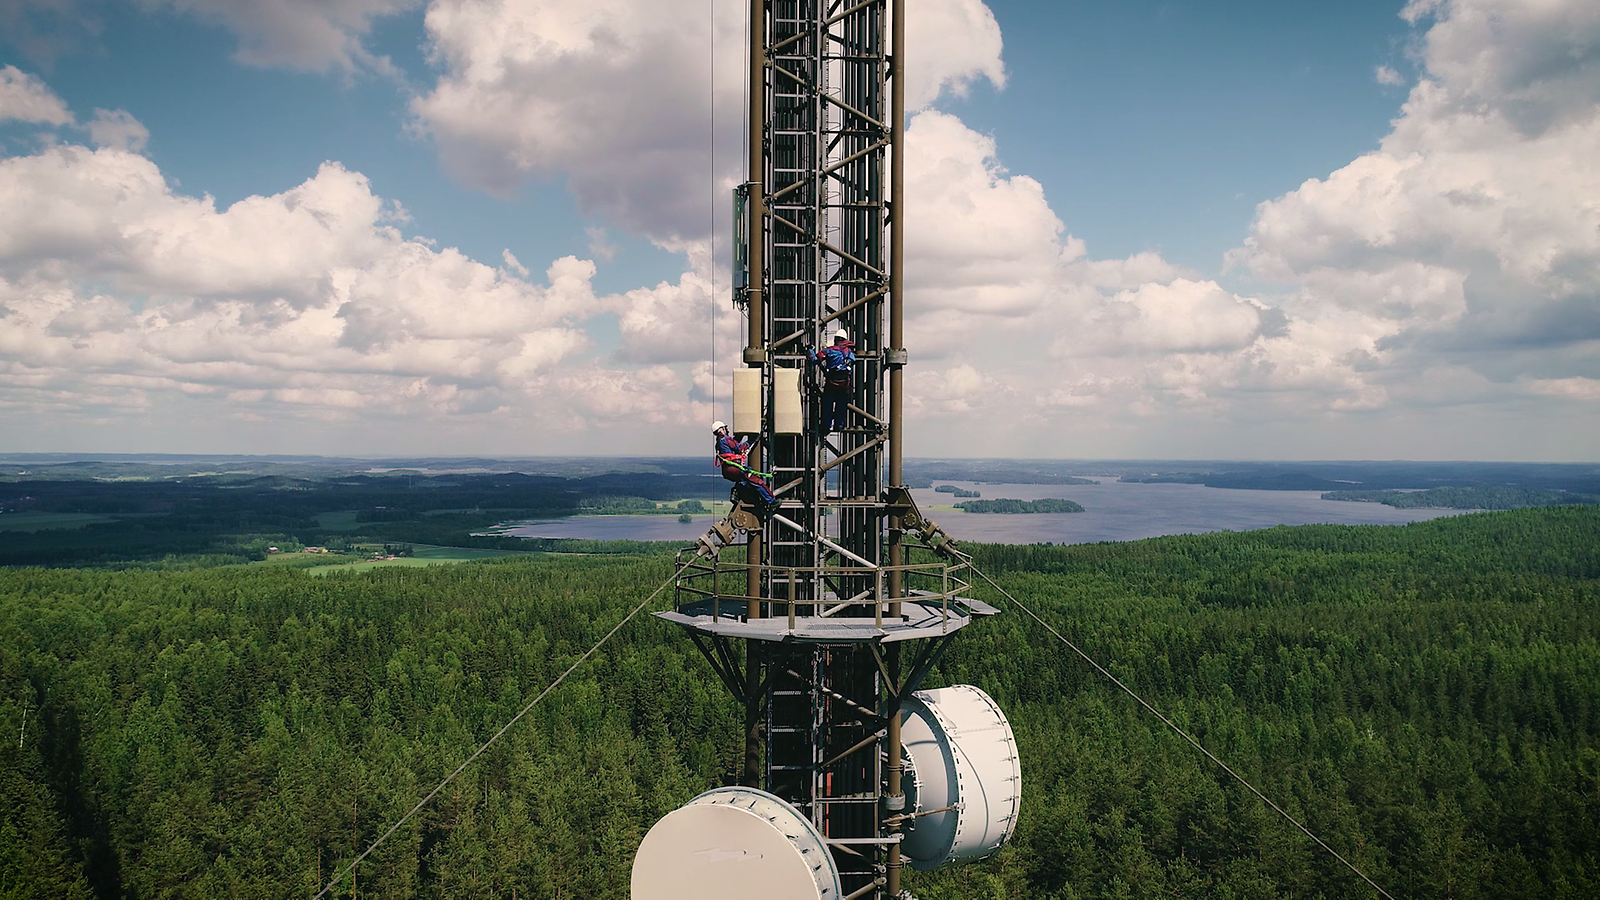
{"x":1113,"y":511}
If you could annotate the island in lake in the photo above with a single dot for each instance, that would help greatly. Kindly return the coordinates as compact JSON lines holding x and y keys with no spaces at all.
{"x":1047,"y":505}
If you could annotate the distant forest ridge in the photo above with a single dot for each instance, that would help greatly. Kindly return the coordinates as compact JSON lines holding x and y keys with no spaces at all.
{"x":233,"y":518}
{"x":164,"y":511}
{"x":1483,"y":497}
{"x":1325,"y":475}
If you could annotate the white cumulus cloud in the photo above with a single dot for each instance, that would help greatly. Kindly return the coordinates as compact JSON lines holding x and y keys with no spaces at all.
{"x":25,"y":98}
{"x":307,"y":35}
{"x":119,"y":294}
{"x":618,"y":98}
{"x":979,"y":240}
{"x":950,"y":45}
{"x":1471,"y":237}
{"x":1017,"y":318}
{"x":1181,"y":316}
{"x":1455,"y":267}
{"x":118,"y":129}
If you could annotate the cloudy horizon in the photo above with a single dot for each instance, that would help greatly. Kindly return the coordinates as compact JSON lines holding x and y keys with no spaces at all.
{"x":456,"y":227}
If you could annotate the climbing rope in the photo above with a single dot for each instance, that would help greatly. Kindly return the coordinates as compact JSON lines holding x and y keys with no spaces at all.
{"x":744,"y":468}
{"x":1181,"y":733}
{"x":496,"y":736}
{"x":711,"y":145}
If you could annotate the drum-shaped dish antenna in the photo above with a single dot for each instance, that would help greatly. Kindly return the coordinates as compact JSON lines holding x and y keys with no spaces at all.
{"x":965,"y":783}
{"x":735,"y":843}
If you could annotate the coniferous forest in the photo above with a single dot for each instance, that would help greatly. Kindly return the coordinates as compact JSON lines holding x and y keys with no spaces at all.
{"x":1426,"y":698}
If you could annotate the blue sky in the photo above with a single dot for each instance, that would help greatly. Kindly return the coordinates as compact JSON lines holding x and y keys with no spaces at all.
{"x":1095,"y":93}
{"x":1160,"y":126}
{"x":1230,"y":230}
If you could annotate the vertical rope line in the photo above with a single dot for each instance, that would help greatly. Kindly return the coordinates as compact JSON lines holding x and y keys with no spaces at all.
{"x":744,"y":133}
{"x":711,"y":142}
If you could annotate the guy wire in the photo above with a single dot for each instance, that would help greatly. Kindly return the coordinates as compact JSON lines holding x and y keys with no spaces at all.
{"x":711,"y":145}
{"x":1183,"y":734}
{"x":495,"y":737}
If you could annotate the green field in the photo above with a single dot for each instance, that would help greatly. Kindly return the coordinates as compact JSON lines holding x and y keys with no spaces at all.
{"x":296,"y":559}
{"x":41,"y":521}
{"x":369,"y":564}
{"x":421,"y":555}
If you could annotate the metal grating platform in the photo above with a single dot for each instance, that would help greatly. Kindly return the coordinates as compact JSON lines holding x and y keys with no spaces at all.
{"x":918,"y":619}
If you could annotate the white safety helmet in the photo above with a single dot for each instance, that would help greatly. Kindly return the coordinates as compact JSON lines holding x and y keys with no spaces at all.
{"x":841,"y":335}
{"x":718,"y":425}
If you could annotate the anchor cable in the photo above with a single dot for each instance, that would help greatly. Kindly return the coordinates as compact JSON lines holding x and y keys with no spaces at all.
{"x":496,"y":736}
{"x":1181,"y":733}
{"x":711,"y":147}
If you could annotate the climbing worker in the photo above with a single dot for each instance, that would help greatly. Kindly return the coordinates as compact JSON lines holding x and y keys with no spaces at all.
{"x":838,"y":364}
{"x":733,"y":455}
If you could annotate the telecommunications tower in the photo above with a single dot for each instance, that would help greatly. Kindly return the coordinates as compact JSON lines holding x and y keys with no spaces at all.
{"x":845,"y":596}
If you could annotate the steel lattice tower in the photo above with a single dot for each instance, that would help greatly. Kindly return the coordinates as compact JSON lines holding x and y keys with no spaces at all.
{"x":847,"y":596}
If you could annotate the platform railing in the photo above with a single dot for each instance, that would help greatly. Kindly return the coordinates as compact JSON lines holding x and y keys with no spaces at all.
{"x":805,"y":592}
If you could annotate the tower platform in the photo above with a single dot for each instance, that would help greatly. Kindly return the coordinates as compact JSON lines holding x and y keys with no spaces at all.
{"x":919,"y":618}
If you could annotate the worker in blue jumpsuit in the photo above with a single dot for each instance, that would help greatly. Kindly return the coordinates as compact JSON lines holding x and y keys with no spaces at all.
{"x":838,"y":364}
{"x":733,"y":456}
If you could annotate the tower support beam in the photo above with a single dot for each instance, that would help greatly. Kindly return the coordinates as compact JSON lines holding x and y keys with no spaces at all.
{"x":894,"y":803}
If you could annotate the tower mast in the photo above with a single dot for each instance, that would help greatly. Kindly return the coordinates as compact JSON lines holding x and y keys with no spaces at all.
{"x":846,"y":596}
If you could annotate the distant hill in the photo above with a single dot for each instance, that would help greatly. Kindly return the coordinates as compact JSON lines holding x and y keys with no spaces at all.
{"x":1242,"y":481}
{"x":1494,"y":497}
{"x":1323,"y":475}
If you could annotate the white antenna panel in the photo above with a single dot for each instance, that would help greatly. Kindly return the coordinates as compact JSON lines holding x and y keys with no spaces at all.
{"x":966,"y":779}
{"x":735,"y":843}
{"x":786,"y":417}
{"x":747,"y":401}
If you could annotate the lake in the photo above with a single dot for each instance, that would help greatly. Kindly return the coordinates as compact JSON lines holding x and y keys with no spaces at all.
{"x":1113,"y":511}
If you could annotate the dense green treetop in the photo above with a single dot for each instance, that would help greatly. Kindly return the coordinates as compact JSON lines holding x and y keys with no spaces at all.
{"x":1426,"y":698}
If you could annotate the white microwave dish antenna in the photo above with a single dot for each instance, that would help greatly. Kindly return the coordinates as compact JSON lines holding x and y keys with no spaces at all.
{"x":735,"y":843}
{"x":966,"y":780}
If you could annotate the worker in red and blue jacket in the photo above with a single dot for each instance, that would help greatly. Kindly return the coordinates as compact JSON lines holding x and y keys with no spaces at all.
{"x":733,"y":456}
{"x":838,"y":364}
